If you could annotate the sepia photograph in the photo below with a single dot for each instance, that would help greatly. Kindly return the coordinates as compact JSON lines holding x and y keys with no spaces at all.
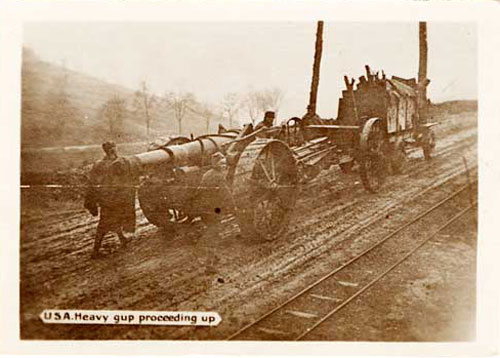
{"x":302,"y":181}
{"x":249,"y":178}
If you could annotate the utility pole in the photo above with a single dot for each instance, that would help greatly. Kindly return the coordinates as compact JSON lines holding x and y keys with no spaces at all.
{"x":422,"y":72}
{"x":313,"y":94}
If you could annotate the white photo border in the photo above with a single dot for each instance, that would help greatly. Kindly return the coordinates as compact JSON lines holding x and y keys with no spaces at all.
{"x":13,"y":14}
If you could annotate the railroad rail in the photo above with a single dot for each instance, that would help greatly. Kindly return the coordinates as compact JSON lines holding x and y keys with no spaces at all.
{"x":389,"y":269}
{"x":324,"y":293}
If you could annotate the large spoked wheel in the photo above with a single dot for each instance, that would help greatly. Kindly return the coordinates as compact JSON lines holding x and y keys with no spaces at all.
{"x":154,"y":198}
{"x":399,"y":159}
{"x":429,"y":143}
{"x":272,"y":192}
{"x":156,"y":206}
{"x":153,"y":203}
{"x":372,"y":163}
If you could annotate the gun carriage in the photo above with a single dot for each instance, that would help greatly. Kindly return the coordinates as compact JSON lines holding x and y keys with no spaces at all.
{"x":377,"y":119}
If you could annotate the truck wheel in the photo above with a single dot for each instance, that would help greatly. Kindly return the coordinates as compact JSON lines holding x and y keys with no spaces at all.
{"x":266,"y":190}
{"x":373,"y":156}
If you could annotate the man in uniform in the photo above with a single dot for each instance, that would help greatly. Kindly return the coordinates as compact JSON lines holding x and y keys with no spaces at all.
{"x":114,"y":193}
{"x":213,"y":201}
{"x":214,"y":196}
{"x":267,"y":122}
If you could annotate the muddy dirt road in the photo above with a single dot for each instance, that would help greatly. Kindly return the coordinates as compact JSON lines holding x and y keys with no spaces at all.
{"x":190,"y":271}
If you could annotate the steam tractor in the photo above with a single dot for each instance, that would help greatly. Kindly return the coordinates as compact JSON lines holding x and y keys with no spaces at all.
{"x":378,"y":117}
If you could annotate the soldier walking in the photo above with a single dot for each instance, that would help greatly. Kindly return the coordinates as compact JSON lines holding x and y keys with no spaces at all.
{"x":213,"y":201}
{"x":114,"y":193}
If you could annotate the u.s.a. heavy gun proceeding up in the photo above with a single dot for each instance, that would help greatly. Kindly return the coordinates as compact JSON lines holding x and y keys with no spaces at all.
{"x":255,"y":174}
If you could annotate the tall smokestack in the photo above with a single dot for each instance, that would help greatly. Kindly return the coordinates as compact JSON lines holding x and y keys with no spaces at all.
{"x":422,"y":71}
{"x":313,"y":94}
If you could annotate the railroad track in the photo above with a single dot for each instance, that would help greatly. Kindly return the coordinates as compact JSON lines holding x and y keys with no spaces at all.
{"x":344,"y":239}
{"x":352,"y":231}
{"x":301,"y":314}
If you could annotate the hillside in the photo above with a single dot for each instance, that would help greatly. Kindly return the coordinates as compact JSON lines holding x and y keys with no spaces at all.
{"x":61,"y":107}
{"x":454,"y":107}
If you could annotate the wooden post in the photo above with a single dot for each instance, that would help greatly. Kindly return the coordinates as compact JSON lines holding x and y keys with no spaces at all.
{"x":313,"y":94}
{"x":422,"y":72}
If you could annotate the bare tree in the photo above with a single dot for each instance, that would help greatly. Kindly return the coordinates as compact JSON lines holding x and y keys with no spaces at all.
{"x":271,"y":99}
{"x":144,"y":102}
{"x":179,"y":102}
{"x":230,"y":107}
{"x":258,"y":102}
{"x":206,"y":112}
{"x":251,"y":102}
{"x":113,"y":112}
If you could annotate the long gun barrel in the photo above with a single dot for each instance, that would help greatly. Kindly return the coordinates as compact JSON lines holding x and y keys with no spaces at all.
{"x":195,"y":152}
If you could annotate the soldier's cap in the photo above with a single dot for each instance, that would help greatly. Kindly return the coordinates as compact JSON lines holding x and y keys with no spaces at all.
{"x":107,"y":146}
{"x":269,"y":114}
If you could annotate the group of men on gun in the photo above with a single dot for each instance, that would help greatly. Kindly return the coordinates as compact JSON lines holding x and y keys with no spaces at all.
{"x":111,"y":193}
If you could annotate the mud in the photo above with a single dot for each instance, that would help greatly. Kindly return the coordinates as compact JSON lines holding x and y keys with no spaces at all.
{"x":413,"y":303}
{"x":196,"y":269}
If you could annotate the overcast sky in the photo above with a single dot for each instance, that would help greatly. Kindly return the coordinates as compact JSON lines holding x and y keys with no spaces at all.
{"x":211,"y":59}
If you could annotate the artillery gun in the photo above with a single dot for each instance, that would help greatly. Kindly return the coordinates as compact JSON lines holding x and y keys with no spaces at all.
{"x":376,"y":121}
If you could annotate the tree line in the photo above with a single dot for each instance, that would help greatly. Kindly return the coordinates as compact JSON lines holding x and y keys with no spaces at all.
{"x":62,"y":107}
{"x":151,"y":108}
